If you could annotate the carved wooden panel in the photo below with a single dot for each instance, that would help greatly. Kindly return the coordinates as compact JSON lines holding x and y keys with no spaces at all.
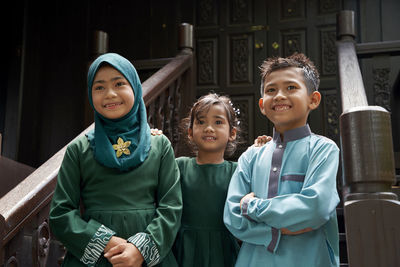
{"x":293,"y":41}
{"x":240,"y":11}
{"x":332,"y":112}
{"x":328,"y":6}
{"x":241,"y":63}
{"x":328,"y":51}
{"x":207,"y":71}
{"x":292,"y":9}
{"x":381,"y":87}
{"x":207,"y":13}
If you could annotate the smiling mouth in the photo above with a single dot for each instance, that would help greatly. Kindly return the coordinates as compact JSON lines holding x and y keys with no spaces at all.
{"x":281,"y":107}
{"x":209,"y":138}
{"x":112,"y":105}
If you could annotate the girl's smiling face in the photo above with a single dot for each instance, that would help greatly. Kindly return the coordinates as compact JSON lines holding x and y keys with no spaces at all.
{"x":211,"y":131}
{"x":112,"y":94}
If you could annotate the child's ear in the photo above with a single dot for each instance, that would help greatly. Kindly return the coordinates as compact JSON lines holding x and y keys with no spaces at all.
{"x":233,"y":134}
{"x":315,"y":99}
{"x":190,"y":133}
{"x":261,"y":105}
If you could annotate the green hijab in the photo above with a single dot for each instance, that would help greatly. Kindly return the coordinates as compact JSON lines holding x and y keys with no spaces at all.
{"x":129,"y":132}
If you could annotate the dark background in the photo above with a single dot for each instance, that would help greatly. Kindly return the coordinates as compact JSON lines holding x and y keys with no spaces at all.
{"x":47,"y":48}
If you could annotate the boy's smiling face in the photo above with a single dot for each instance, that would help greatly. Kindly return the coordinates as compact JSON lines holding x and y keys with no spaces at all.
{"x":286,"y":101}
{"x":112,"y":94}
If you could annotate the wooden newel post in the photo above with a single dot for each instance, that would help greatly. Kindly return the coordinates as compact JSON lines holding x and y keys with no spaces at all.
{"x":367,"y":152}
{"x":186,"y":36}
{"x":100,"y":44}
{"x":371,"y":210}
{"x":345,"y":25}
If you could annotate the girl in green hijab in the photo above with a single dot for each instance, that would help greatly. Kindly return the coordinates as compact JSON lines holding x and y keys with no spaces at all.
{"x":126,"y":179}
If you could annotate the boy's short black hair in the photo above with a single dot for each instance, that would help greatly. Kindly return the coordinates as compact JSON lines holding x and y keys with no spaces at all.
{"x":298,"y":60}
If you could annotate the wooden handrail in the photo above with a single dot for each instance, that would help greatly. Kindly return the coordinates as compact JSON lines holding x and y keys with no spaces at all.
{"x":21,"y":204}
{"x":29,"y":196}
{"x":351,"y":83}
{"x":371,"y":49}
{"x":153,"y":87}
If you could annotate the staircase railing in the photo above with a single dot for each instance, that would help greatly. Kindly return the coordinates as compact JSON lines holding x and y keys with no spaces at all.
{"x":25,"y":238}
{"x":371,"y":210}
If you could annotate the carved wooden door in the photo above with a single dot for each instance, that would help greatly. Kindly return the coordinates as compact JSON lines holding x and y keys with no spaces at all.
{"x":233,"y":37}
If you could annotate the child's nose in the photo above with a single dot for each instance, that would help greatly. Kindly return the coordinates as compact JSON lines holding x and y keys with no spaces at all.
{"x":110,"y":92}
{"x":208,"y":128}
{"x":280,"y":94}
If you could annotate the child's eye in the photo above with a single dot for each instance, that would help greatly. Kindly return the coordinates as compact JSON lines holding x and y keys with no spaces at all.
{"x":218,"y":122}
{"x":98,"y":88}
{"x":200,"y":122}
{"x":270,"y":90}
{"x":291,"y":87}
{"x":119,"y":84}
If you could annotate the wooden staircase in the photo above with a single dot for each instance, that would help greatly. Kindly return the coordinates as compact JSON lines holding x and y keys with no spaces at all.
{"x":25,"y":237}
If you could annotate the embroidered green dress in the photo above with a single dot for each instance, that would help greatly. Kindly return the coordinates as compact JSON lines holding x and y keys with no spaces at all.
{"x":143,"y":205}
{"x":203,"y":240}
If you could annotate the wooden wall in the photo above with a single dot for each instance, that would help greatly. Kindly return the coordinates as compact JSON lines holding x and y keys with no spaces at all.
{"x":48,"y":51}
{"x":48,"y":47}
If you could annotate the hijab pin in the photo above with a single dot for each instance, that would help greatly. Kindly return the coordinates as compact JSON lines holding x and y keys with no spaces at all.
{"x":122,"y":147}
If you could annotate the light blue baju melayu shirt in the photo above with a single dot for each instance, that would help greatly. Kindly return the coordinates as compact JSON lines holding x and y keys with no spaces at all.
{"x":294,"y":182}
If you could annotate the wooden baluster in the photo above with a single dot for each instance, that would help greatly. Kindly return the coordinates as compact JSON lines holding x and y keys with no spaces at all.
{"x":41,"y":245}
{"x":12,"y":262}
{"x":177,"y":109}
{"x":160,"y":111}
{"x":170,"y":113}
{"x":150,"y":115}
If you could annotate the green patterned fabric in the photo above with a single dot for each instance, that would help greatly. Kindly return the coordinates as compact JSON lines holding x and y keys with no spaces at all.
{"x":203,"y":240}
{"x":96,"y":245}
{"x":142,"y":204}
{"x":147,"y":248}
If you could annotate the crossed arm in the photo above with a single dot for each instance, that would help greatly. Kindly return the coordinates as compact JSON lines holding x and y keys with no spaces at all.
{"x":288,"y":214}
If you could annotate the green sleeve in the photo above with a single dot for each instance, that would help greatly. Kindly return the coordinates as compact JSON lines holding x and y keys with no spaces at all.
{"x":85,"y":240}
{"x":160,"y":234}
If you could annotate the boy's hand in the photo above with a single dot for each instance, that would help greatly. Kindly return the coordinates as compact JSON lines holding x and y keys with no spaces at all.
{"x":124,"y":255}
{"x":114,"y":241}
{"x":285,"y":231}
{"x":249,"y":195}
{"x":155,"y":131}
{"x":262,"y":140}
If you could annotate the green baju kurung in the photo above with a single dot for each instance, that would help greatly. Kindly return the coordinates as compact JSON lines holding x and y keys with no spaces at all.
{"x":203,"y":240}
{"x":143,"y":205}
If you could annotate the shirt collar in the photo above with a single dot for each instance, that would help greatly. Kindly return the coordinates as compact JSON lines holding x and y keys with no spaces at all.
{"x":293,"y":134}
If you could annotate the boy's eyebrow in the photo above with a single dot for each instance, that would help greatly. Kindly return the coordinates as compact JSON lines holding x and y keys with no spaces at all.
{"x":112,"y":79}
{"x":275,"y":84}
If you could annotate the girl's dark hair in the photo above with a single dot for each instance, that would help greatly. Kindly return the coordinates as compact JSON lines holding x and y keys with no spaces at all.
{"x":298,"y":60}
{"x":203,"y":104}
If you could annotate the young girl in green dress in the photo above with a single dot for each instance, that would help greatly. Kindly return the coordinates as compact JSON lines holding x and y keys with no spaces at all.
{"x":126,"y":179}
{"x":203,"y":240}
